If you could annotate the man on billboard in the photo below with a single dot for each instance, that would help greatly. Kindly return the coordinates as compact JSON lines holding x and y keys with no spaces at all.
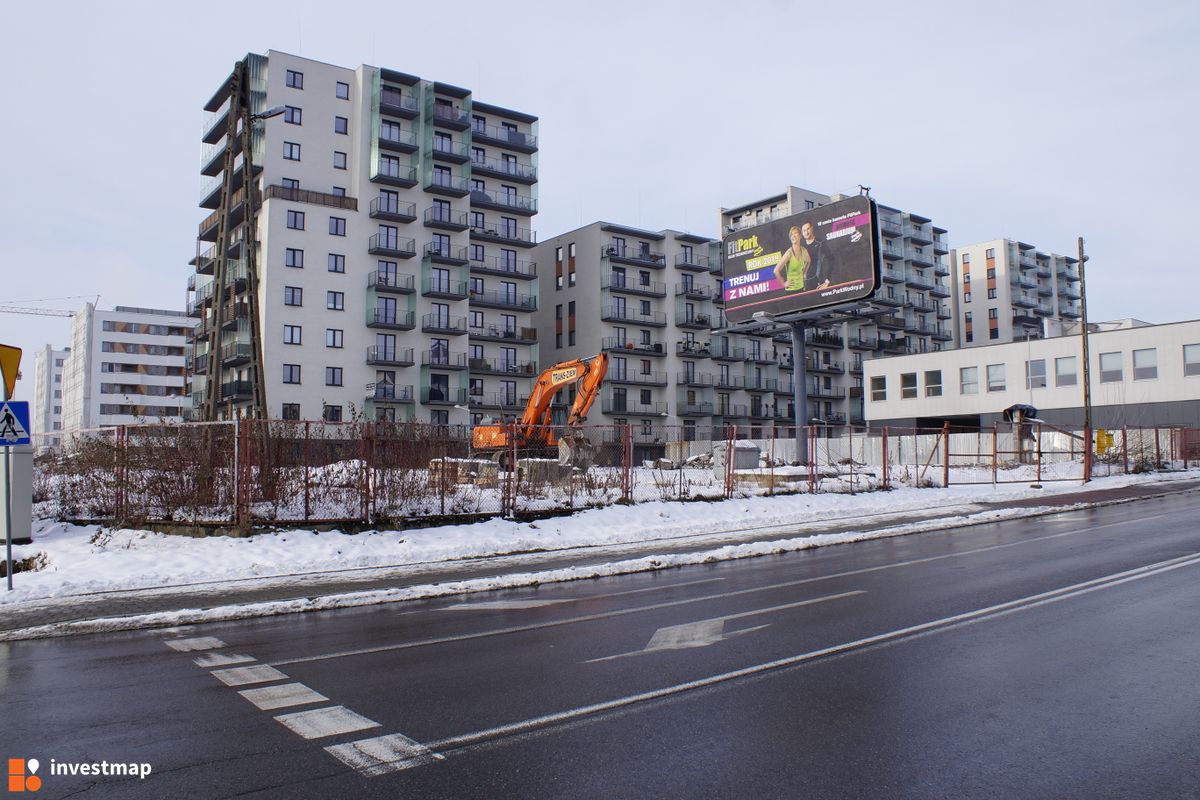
{"x":820,"y":271}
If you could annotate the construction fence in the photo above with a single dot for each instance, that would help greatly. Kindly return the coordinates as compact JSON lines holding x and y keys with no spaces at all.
{"x":260,"y":473}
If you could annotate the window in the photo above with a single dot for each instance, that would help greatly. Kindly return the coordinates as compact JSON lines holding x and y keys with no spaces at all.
{"x":291,"y":373}
{"x":878,"y":388}
{"x":289,"y":183}
{"x":966,"y":297}
{"x":293,"y":296}
{"x":968,"y":380}
{"x":295,"y":80}
{"x":1064,"y":371}
{"x":1110,"y":368}
{"x":291,"y":151}
{"x":338,"y":191}
{"x":994,"y":333}
{"x":342,"y":91}
{"x":908,"y":385}
{"x":991,"y":294}
{"x":333,"y":337}
{"x":991,"y":273}
{"x":341,"y":125}
{"x":933,"y":383}
{"x":1191,"y":360}
{"x":995,"y":378}
{"x":335,"y":301}
{"x":290,"y":411}
{"x":295,"y":220}
{"x":993,"y":313}
{"x":291,"y":115}
{"x":1035,"y":374}
{"x":339,"y":159}
{"x":293,"y":258}
{"x":337,"y":226}
{"x":966,"y":258}
{"x":333,"y":376}
{"x":337,"y":262}
{"x":990,"y":253}
{"x":1145,"y":364}
{"x":332,"y":414}
{"x":291,"y":334}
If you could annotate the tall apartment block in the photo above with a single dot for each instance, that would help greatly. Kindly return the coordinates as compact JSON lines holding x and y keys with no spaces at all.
{"x":648,"y":299}
{"x":46,"y":419}
{"x":1009,"y":291}
{"x":393,"y":239}
{"x":125,"y":367}
{"x":909,"y":315}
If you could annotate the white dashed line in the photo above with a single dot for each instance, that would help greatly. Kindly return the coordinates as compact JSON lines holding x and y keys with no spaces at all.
{"x":383,"y":754}
{"x":220,"y":660}
{"x":269,"y":698}
{"x":240,"y":676}
{"x":321,"y":722}
{"x":201,"y":643}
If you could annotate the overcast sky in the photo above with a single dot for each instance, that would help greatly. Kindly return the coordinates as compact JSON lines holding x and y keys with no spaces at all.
{"x":1039,"y":121}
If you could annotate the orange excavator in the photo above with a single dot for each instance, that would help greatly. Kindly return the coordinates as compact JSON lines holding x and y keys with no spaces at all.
{"x":535,"y":430}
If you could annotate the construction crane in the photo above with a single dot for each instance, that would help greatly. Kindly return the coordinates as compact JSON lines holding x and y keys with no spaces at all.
{"x":41,"y":312}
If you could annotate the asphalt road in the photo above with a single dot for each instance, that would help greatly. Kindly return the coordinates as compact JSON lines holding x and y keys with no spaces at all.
{"x":1055,"y":657}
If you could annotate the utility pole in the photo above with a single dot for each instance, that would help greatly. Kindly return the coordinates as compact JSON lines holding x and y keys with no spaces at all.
{"x":800,"y":390}
{"x":1087,"y":367}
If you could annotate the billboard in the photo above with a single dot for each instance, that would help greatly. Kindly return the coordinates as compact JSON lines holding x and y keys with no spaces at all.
{"x":820,"y":258}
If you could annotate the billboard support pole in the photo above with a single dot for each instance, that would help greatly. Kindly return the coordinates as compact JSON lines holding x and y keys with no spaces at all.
{"x":800,"y":390}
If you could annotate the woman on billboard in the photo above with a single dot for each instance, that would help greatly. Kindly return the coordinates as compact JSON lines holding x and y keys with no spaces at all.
{"x":793,"y":263}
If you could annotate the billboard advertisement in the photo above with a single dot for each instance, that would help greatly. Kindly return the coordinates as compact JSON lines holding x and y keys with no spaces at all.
{"x":820,"y":258}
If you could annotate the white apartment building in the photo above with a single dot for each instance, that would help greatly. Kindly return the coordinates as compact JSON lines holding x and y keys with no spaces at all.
{"x":1141,"y":375}
{"x":910,"y":314}
{"x":1006,"y":290}
{"x":125,"y":367}
{"x":649,"y":299}
{"x":46,"y":415}
{"x":394,"y":236}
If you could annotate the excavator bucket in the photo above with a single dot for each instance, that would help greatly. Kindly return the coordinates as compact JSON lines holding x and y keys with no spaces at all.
{"x":575,"y":451}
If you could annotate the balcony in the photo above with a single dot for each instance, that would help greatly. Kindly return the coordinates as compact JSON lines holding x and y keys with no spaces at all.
{"x":941,"y":334}
{"x":939,"y":289}
{"x":443,"y":359}
{"x":397,"y":103}
{"x":888,"y":300}
{"x":620,"y":284}
{"x":694,"y":379}
{"x":1045,"y":290}
{"x":636,"y":378}
{"x":890,"y":229}
{"x":505,"y":267}
{"x":390,"y":356}
{"x":498,"y":366}
{"x":732,"y":411}
{"x":612,"y":405}
{"x":915,"y":325}
{"x":443,"y":288}
{"x":448,"y":115}
{"x":692,"y":321}
{"x":692,"y":349}
{"x":397,"y":139}
{"x":390,"y":172}
{"x":452,"y":151}
{"x":891,"y":347}
{"x":892,"y":274}
{"x":786,"y":388}
{"x":922,"y":305}
{"x":919,"y":281}
{"x":498,"y":333}
{"x":440,"y":396}
{"x":1024,"y":281}
{"x":1024,"y":301}
{"x":891,"y":255}
{"x":390,"y":393}
{"x":1043,"y":270}
{"x":390,"y":282}
{"x":508,"y":202}
{"x":636,"y":256}
{"x":505,"y":169}
{"x":943,"y":312}
{"x":445,"y":219}
{"x":501,"y":234}
{"x":440,"y":253}
{"x":502,"y":136}
{"x":393,"y":210}
{"x":863,"y":343}
{"x":236,"y":392}
{"x":856,"y":367}
{"x":630,"y":347}
{"x":826,"y":392}
{"x":685,"y":409}
{"x":236,"y":354}
{"x":1069,"y":272}
{"x":503,"y":401}
{"x":391,"y":320}
{"x":1069,"y":311}
{"x":509,"y":301}
{"x":327,"y":199}
{"x":383,"y":244}
{"x":1024,"y":317}
{"x":823,"y":339}
{"x":730,"y":382}
{"x":830,"y":367}
{"x":940,"y":246}
{"x":442,"y":323}
{"x":920,"y":259}
{"x":890,"y":322}
{"x":445,"y":183}
{"x":727,"y":353}
{"x":693,"y":292}
{"x":617,"y":313}
{"x":691,"y":261}
{"x":1069,"y":292}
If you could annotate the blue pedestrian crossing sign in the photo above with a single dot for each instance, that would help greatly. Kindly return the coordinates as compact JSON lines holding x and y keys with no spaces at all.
{"x":14,"y":423}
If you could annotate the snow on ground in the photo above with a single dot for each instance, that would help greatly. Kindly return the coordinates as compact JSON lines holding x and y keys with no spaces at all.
{"x":85,"y":559}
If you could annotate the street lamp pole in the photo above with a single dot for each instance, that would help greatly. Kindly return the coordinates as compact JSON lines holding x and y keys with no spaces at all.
{"x":1087,"y":367}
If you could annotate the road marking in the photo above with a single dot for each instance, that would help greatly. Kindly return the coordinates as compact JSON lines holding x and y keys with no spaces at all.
{"x":190,"y":645}
{"x":322,"y":722}
{"x":220,"y":660}
{"x":383,"y":754}
{"x":269,"y":698}
{"x":240,"y":676}
{"x":506,"y":605}
{"x":710,"y":631}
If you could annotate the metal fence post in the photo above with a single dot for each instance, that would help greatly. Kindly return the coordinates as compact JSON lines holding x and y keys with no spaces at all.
{"x":771,"y":484}
{"x":627,"y":463}
{"x":1125,"y":447}
{"x":730,"y":439}
{"x":945,"y":455}
{"x":995,"y":444}
{"x":1157,"y":451}
{"x":1039,"y":454}
{"x":850,"y":431}
{"x":122,"y":454}
{"x":242,"y":512}
{"x":307,"y":476}
{"x":887,"y":476}
{"x":368,"y":444}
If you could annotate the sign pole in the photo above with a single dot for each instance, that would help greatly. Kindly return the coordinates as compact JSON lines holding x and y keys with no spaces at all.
{"x":8,"y":531}
{"x":800,"y":390}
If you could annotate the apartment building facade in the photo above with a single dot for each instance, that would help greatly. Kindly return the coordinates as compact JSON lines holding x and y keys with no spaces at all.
{"x":649,"y":300}
{"x":910,"y":313}
{"x":1142,"y":375}
{"x":1007,"y":290}
{"x":394,"y":238}
{"x":46,"y":416}
{"x":125,"y":367}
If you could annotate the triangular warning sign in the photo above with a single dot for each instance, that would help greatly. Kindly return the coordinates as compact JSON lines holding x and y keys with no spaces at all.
{"x":10,"y":364}
{"x":11,"y":429}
